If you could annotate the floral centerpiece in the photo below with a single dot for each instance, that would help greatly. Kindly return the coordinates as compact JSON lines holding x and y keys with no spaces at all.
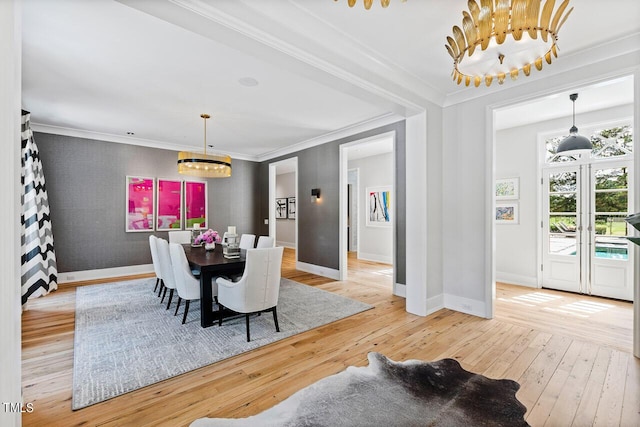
{"x":209,"y":238}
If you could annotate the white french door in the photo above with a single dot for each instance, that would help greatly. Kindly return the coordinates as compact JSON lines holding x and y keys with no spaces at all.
{"x":583,"y":228}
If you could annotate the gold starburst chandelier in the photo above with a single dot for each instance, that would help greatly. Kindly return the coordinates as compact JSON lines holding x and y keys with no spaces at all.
{"x":507,"y":37}
{"x":204,"y":165}
{"x":368,"y":3}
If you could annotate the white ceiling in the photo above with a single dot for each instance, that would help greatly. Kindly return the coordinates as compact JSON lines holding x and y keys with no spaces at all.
{"x":102,"y":68}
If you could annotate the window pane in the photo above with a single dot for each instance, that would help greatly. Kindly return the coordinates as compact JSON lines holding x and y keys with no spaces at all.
{"x":611,"y":225}
{"x":562,"y":203}
{"x":611,"y":201}
{"x":611,"y":179}
{"x":562,"y":244}
{"x":612,"y":248}
{"x":562,"y":224}
{"x":563,"y":182}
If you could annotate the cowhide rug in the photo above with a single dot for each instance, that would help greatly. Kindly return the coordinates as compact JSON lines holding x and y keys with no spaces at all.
{"x":388,"y":393}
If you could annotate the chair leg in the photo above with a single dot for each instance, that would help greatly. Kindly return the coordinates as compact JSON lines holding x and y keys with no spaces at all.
{"x":275,"y":319}
{"x":247,"y":320}
{"x":220,"y":307}
{"x":178,"y":306}
{"x":156,"y":287}
{"x":161,"y":287}
{"x":170,"y":297}
{"x":186,"y":310}
{"x":163,"y":295}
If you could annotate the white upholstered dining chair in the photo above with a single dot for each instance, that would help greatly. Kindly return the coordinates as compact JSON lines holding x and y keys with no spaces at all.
{"x":247,"y":241}
{"x":156,"y":262}
{"x":180,"y":236}
{"x":265,"y":242}
{"x":258,"y":288}
{"x":167,"y":271}
{"x":187,"y":285}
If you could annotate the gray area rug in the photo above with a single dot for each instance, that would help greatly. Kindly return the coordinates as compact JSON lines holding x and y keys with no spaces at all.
{"x":388,"y":393}
{"x":125,"y":339}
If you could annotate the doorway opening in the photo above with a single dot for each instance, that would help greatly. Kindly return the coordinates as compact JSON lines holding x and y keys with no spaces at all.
{"x":283,"y":193}
{"x":565,"y":222}
{"x":367,"y":187}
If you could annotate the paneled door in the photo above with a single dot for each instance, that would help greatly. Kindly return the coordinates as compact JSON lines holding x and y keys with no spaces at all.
{"x":583,"y":228}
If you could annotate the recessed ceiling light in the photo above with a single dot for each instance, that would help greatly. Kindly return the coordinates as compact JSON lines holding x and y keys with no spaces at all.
{"x":130,"y":133}
{"x":248,"y":81}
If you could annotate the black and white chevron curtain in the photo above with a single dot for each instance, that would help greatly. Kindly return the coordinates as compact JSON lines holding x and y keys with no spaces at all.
{"x":39,"y":268}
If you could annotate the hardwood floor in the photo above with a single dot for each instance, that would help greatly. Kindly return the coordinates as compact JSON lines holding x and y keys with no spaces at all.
{"x":570,"y":353}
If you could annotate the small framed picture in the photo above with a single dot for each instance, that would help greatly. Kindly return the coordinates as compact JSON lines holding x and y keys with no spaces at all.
{"x":507,"y":189}
{"x":507,"y":213}
{"x":168,"y":204}
{"x":140,"y":196}
{"x":379,"y":206}
{"x":281,"y":208}
{"x":291,"y":207}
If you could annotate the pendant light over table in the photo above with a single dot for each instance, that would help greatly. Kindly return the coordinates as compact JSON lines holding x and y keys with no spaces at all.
{"x":202,"y":164}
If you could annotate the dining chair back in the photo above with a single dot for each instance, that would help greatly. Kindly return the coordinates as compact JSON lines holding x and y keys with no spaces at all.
{"x":265,"y":242}
{"x":156,"y":263}
{"x":247,"y":241}
{"x":259,"y":287}
{"x":180,"y":236}
{"x":167,"y":271}
{"x":187,"y":285}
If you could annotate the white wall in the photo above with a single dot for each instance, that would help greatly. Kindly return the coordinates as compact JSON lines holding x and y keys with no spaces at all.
{"x":517,"y":257}
{"x":10,"y":305}
{"x":374,"y":243}
{"x":286,"y":228}
{"x":468,"y":172}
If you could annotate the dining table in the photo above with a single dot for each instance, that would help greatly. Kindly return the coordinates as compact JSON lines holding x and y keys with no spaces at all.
{"x":211,"y":264}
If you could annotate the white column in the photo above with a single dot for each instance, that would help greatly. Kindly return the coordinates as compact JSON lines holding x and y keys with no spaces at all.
{"x":10,"y":306}
{"x":416,"y":170}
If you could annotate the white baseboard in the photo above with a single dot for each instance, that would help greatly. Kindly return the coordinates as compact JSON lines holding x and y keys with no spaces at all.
{"x":104,"y":273}
{"x":465,"y":305}
{"x":435,"y":303}
{"x":286,"y":244}
{"x":320,"y":271}
{"x":516,"y":279}
{"x":400,"y":290}
{"x":375,"y":258}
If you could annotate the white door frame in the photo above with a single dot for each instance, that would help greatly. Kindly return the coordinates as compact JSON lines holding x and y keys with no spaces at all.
{"x":344,"y":168}
{"x":272,"y":197}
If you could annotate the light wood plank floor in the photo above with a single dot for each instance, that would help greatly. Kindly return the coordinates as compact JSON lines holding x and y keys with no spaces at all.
{"x":571,"y":354}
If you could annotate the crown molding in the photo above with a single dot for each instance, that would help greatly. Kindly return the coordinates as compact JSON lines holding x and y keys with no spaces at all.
{"x":119,"y":139}
{"x":347,"y":131}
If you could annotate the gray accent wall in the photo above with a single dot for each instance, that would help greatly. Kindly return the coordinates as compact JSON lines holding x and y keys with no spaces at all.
{"x":86,"y":184}
{"x":318,"y":223}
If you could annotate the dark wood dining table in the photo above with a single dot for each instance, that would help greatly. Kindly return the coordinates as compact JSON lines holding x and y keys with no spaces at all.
{"x":211,"y":264}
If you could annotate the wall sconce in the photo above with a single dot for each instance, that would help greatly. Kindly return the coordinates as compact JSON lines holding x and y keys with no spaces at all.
{"x":315,"y":194}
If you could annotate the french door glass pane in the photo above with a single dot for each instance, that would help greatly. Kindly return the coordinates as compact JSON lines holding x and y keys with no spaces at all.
{"x":611,"y":201}
{"x":611,"y":248}
{"x":611,"y":225}
{"x":562,"y":223}
{"x":607,"y":179}
{"x":563,"y":182}
{"x":562,"y":202}
{"x":562,"y":244}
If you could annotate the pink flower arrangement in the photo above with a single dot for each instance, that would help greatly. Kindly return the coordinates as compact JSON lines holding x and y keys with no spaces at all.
{"x":209,"y":236}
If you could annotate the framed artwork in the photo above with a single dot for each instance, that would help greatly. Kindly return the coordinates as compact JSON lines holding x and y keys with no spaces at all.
{"x":507,"y":213}
{"x":140,"y":204}
{"x":378,"y":202}
{"x":281,"y":208}
{"x":195,"y":204}
{"x":291,"y":207}
{"x":169,"y":204}
{"x":507,"y":189}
